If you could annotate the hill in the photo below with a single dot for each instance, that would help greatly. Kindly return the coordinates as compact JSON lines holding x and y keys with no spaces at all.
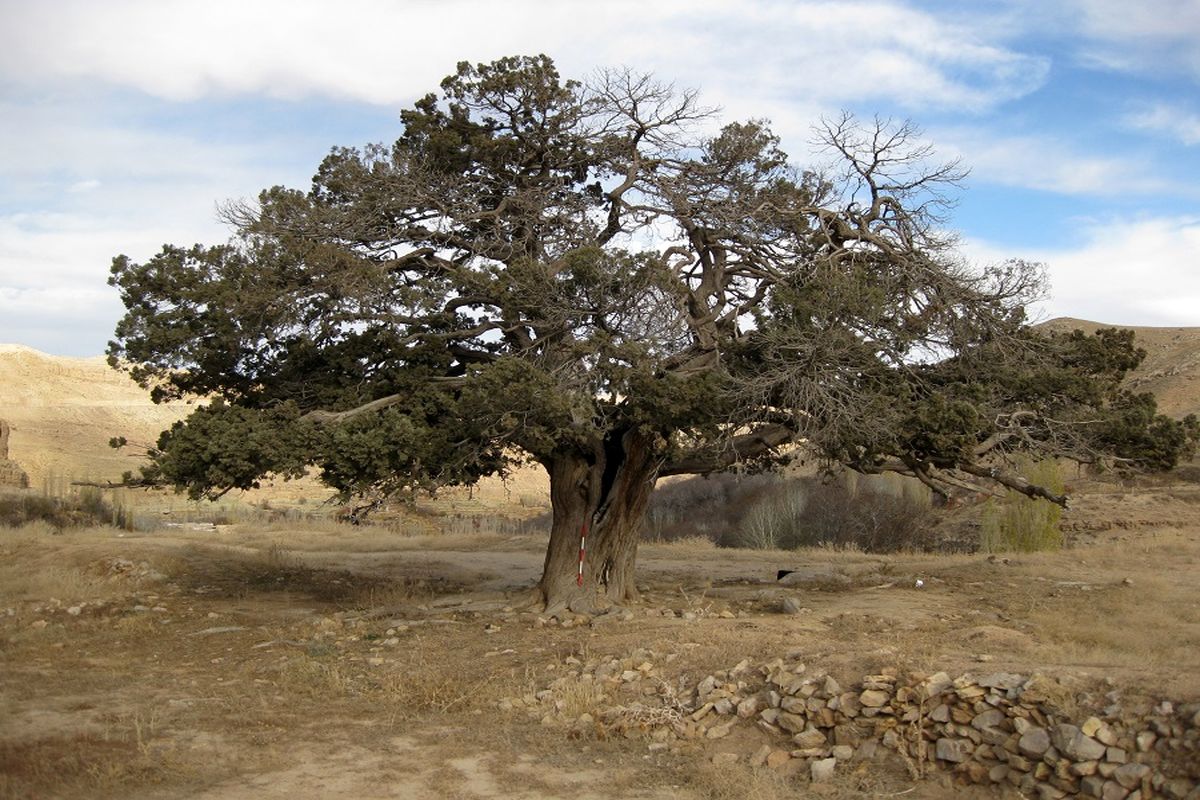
{"x":63,"y":412}
{"x":1171,"y":371}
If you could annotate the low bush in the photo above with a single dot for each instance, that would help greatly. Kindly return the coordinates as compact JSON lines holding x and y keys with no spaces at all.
{"x":878,"y":515}
{"x":79,"y":510}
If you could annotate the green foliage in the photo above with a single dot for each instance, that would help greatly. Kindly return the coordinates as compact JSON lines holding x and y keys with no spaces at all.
{"x":1134,"y":431}
{"x":221,"y":447}
{"x":1022,"y":524}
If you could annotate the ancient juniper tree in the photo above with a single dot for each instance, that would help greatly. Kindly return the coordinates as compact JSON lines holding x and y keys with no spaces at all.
{"x":597,"y":277}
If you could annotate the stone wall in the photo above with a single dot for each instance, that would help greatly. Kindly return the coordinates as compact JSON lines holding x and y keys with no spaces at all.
{"x":1000,"y":729}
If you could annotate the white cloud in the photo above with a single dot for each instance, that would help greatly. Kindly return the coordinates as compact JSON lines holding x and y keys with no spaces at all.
{"x":79,"y":187}
{"x":1147,"y":35}
{"x":387,"y":52}
{"x":1046,"y":163}
{"x":1126,"y":272}
{"x":1143,"y":21}
{"x":53,"y":272}
{"x":1169,"y":120}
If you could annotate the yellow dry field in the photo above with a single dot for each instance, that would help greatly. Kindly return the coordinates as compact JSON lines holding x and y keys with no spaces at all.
{"x":315,"y":660}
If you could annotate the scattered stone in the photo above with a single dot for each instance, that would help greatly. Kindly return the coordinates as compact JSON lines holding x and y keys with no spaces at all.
{"x":1130,"y":775}
{"x":1004,"y":681}
{"x":954,"y":750}
{"x":988,"y":719}
{"x":822,"y":769}
{"x":1177,"y":788}
{"x":720,"y":731}
{"x":1071,"y":741}
{"x":1000,"y":730}
{"x":1113,"y":791}
{"x":760,"y":756}
{"x":810,"y":738}
{"x":748,"y":707}
{"x":223,"y":629}
{"x":842,"y":752}
{"x":792,"y":723}
{"x":1034,"y":742}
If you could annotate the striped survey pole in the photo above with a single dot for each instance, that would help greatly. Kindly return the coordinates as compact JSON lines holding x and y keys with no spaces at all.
{"x":583,"y":530}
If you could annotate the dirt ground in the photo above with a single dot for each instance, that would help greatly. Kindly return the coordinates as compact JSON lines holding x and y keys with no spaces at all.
{"x":327,"y":661}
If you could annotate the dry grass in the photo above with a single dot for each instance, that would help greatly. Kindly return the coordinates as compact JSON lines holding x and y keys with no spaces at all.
{"x":127,"y":755}
{"x":38,"y":565}
{"x":322,"y":536}
{"x":740,"y":782}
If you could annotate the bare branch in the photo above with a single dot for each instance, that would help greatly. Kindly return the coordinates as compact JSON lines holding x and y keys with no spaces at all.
{"x":321,"y":417}
{"x":742,"y":447}
{"x":1014,"y":482}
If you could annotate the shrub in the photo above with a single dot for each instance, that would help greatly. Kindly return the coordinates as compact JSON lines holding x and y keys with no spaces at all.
{"x":83,"y":509}
{"x":701,"y":506}
{"x":878,"y":514}
{"x":772,"y":522}
{"x":19,"y":509}
{"x":863,"y":516}
{"x":1022,"y":524}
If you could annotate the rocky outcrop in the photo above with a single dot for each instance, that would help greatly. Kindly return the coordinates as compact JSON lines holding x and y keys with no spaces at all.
{"x":11,"y":474}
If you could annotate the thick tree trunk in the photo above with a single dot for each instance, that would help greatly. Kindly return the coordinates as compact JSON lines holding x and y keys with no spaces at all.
{"x":605,"y":494}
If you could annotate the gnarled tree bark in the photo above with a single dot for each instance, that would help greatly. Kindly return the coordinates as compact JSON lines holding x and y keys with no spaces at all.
{"x":604,"y":493}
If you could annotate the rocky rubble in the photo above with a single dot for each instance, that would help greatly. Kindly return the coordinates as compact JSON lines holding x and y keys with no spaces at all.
{"x":11,"y":474}
{"x":999,"y":729}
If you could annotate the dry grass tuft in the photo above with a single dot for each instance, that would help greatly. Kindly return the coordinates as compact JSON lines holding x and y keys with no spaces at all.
{"x":740,"y":782}
{"x":93,"y":764}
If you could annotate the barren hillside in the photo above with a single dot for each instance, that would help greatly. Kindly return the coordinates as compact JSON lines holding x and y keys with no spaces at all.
{"x":63,"y":411}
{"x":1171,"y":371}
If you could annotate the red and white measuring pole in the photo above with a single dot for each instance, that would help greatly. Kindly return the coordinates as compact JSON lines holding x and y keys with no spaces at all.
{"x":583,"y":532}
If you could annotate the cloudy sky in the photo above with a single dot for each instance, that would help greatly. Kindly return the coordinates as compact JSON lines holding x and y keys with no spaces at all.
{"x":124,"y":123}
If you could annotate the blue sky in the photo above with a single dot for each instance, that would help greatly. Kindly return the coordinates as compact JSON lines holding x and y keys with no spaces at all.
{"x":123,"y":124}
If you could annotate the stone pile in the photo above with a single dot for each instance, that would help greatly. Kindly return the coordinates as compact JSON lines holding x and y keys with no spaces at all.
{"x":999,"y":729}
